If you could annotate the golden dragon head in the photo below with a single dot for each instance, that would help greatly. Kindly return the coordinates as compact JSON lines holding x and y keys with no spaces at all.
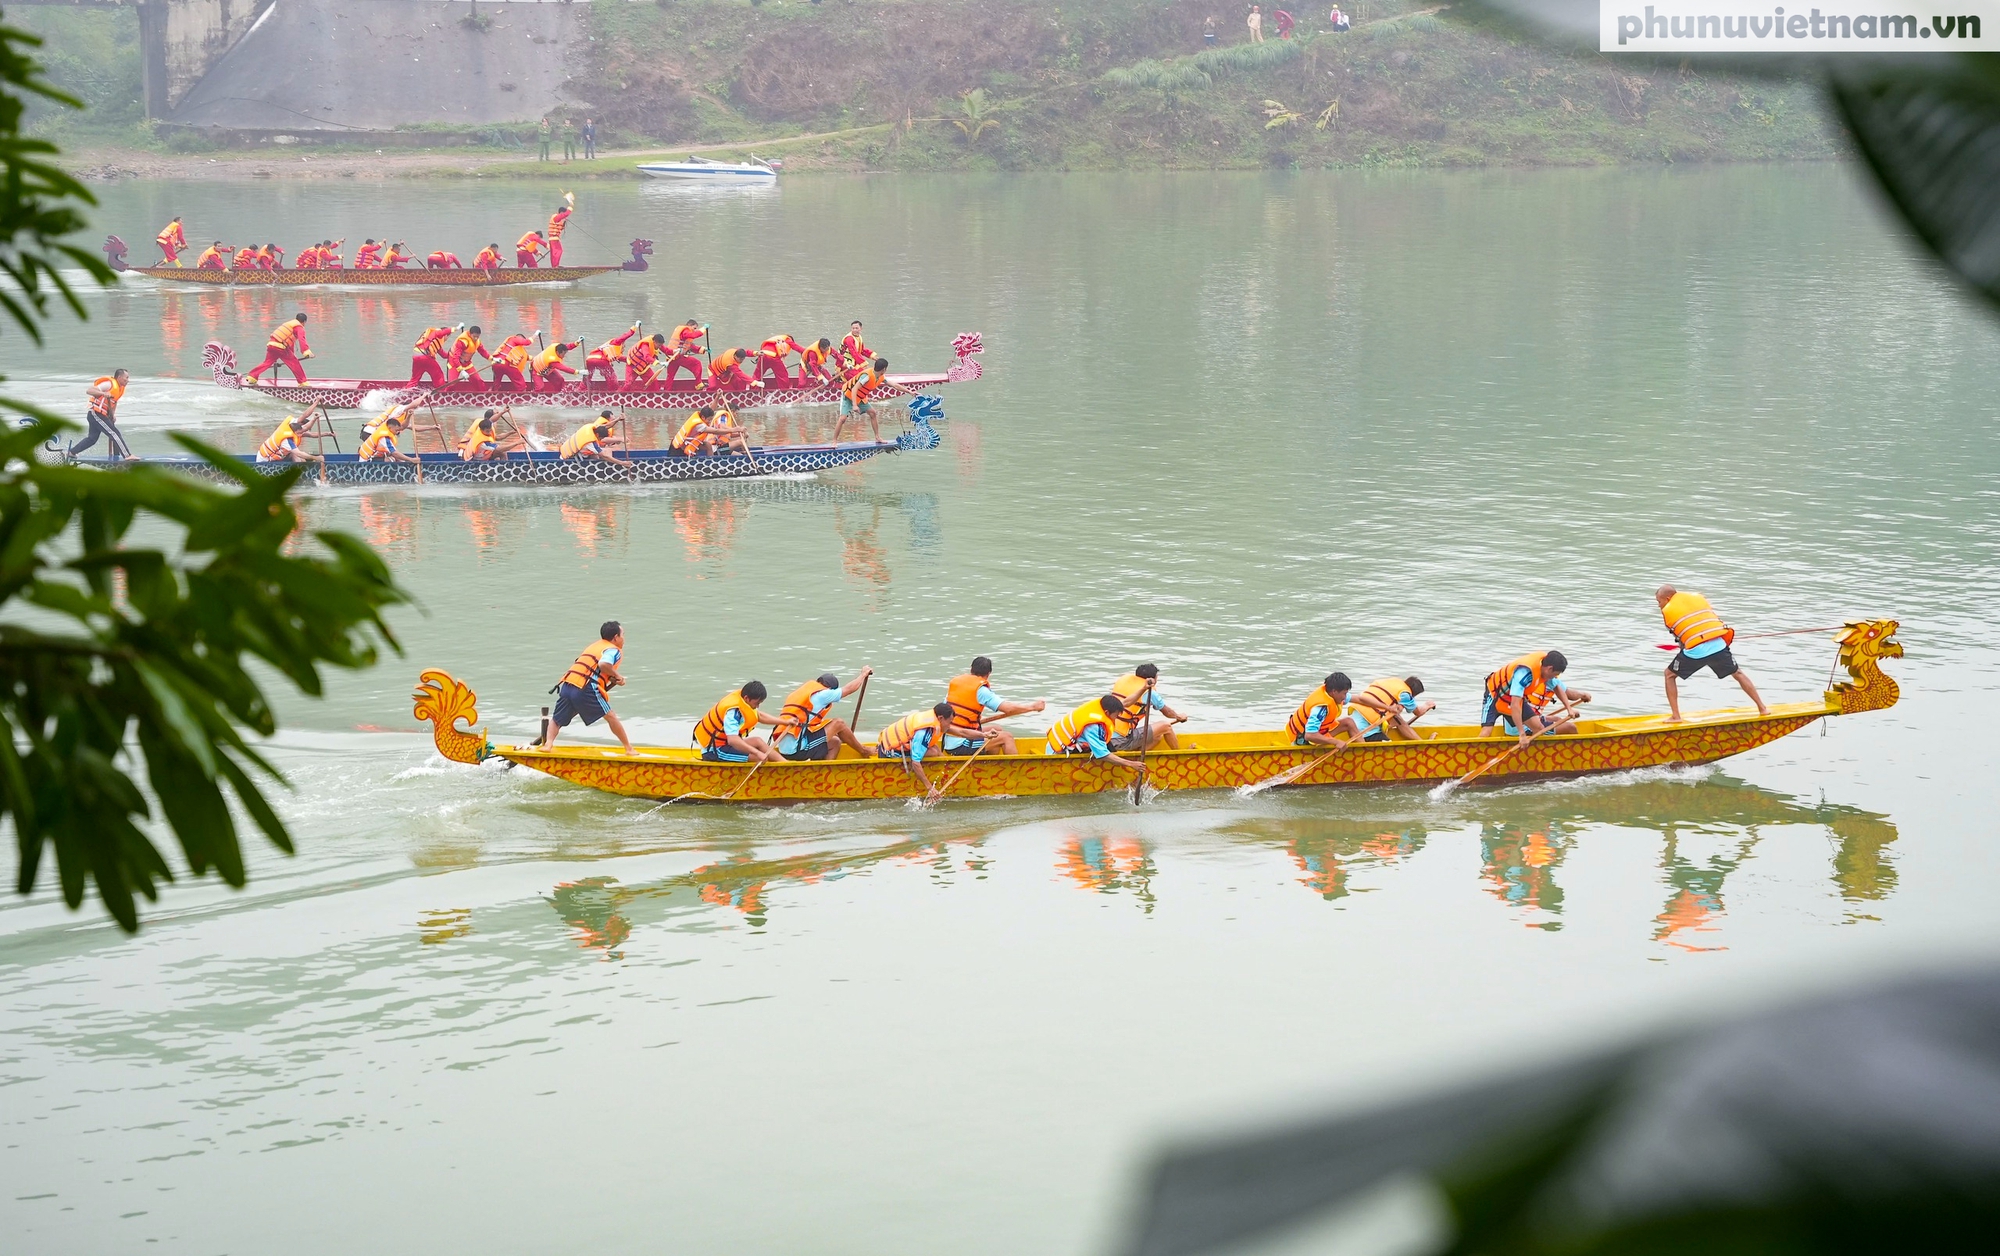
{"x":1863,"y":644}
{"x":443,"y":700}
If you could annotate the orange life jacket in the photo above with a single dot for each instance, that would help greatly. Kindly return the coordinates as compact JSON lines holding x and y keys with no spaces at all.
{"x":483,"y":432}
{"x":613,"y":350}
{"x":287,"y":334}
{"x":1538,"y":680}
{"x":107,"y":405}
{"x":1067,"y":736}
{"x":726,"y":363}
{"x":963,"y":694}
{"x":380,"y":442}
{"x":209,"y":255}
{"x":1128,"y":691}
{"x":1693,"y":621}
{"x":900,"y":736}
{"x":1319,"y":697}
{"x":778,"y":346}
{"x":551,"y":356}
{"x":798,"y":711}
{"x":463,"y":348}
{"x":1389,"y":691}
{"x":863,"y":386}
{"x":812,"y":357}
{"x":368,"y":256}
{"x":684,"y":337}
{"x":642,"y":355}
{"x":432,"y":340}
{"x":586,"y":437}
{"x":709,"y":734}
{"x":530,"y":243}
{"x":854,"y":350}
{"x":514,"y":352}
{"x":273,"y":447}
{"x":487,"y":259}
{"x":245,"y":259}
{"x":584,"y":672}
{"x":685,"y":438}
{"x":172,"y":234}
{"x":557,"y":221}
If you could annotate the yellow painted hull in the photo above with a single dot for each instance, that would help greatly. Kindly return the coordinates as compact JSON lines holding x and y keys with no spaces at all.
{"x":1205,"y":760}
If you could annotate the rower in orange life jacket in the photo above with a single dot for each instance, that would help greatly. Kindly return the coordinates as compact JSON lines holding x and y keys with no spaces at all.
{"x":814,"y":364}
{"x":245,"y":259}
{"x":172,"y":239}
{"x":549,"y":367}
{"x":854,"y":351}
{"x":1320,"y":719}
{"x":807,"y":730}
{"x":1130,"y":729}
{"x":287,"y":345}
{"x":482,"y":440}
{"x":557,"y":221}
{"x":1516,"y":693}
{"x":458,"y":359}
{"x":1387,"y":707}
{"x":684,"y":353}
{"x":396,"y":257}
{"x":975,"y":705}
{"x":854,"y":397}
{"x":284,"y":444}
{"x":604,"y":359}
{"x":308,"y":258}
{"x":368,"y":256}
{"x":213,"y":258}
{"x":588,"y":440}
{"x":914,"y":736}
{"x":1704,"y":641}
{"x":488,"y":259}
{"x":441,"y":260}
{"x":329,"y":254}
{"x":725,"y":734}
{"x":770,"y":366}
{"x":584,"y":692}
{"x":271,"y":257}
{"x":424,"y":364}
{"x":105,"y":392}
{"x":642,"y":361}
{"x":1087,"y":730}
{"x":697,"y":435}
{"x":380,"y":446}
{"x":528,"y":248}
{"x":512,"y":361}
{"x":725,"y":374}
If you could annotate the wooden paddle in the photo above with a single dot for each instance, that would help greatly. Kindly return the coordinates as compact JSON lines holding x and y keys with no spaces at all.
{"x":1145,"y":736}
{"x":1445,"y":790}
{"x":946,"y":787}
{"x":1293,"y":773}
{"x":860,"y":696}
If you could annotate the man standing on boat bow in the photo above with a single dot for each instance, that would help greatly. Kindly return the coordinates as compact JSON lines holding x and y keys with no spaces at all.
{"x":1704,"y":641}
{"x":585,"y":690}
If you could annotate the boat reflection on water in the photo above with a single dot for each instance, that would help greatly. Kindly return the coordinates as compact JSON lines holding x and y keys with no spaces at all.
{"x":1110,"y":863}
{"x":1519,"y":867}
{"x":597,"y":523}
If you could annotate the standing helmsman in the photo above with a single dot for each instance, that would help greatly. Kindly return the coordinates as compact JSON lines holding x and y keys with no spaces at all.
{"x":1704,"y":640}
{"x":105,"y":393}
{"x":584,"y":692}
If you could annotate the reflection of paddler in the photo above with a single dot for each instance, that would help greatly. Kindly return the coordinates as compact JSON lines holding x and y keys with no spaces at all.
{"x":588,"y":441}
{"x":974,"y":705}
{"x":1516,"y":693}
{"x":914,"y":736}
{"x":1390,"y":704}
{"x":807,"y":729}
{"x":1319,"y":720}
{"x":584,"y":692}
{"x":1705,"y":642}
{"x":1087,"y":730}
{"x":725,"y":734}
{"x":1140,"y":692}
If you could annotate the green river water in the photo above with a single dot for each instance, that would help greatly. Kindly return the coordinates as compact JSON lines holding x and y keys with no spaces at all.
{"x":1250,"y":427}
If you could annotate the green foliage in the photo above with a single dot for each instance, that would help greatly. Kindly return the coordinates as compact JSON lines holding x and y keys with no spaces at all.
{"x":125,"y":663}
{"x":94,"y":56}
{"x":1188,"y":74}
{"x":973,"y":123}
{"x":1179,"y":75}
{"x":137,"y":665}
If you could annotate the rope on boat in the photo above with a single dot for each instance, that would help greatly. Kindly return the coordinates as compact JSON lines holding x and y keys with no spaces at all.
{"x":1758,"y":636}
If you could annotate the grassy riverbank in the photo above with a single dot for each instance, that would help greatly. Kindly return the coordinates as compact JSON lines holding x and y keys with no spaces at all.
{"x":1098,"y":84}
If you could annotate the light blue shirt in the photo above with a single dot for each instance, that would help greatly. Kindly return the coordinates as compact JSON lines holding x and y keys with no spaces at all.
{"x":1093,"y":737}
{"x":789,"y":744}
{"x":1523,"y":678}
{"x":920,"y":744}
{"x":1707,"y":648}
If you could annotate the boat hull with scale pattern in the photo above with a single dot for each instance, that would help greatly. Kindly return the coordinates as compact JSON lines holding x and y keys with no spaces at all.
{"x":1224,"y":760}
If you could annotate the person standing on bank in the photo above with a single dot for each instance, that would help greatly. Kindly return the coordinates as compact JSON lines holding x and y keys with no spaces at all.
{"x":542,"y":135}
{"x":585,"y":690}
{"x":1704,"y":642}
{"x":105,"y":393}
{"x":589,"y":140}
{"x":569,"y":140}
{"x":1256,"y":24}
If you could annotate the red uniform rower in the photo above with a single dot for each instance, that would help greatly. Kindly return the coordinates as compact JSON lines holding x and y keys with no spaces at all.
{"x":488,"y":259}
{"x":510,"y":361}
{"x":424,"y":363}
{"x":642,"y":361}
{"x":550,"y":367}
{"x":214,"y":257}
{"x":368,"y":256}
{"x":287,"y":345}
{"x":604,"y":359}
{"x":528,"y":248}
{"x":396,"y":257}
{"x":854,"y":351}
{"x":726,"y":372}
{"x":458,"y":359}
{"x":557,"y":221}
{"x":172,"y":239}
{"x":245,"y":259}
{"x":684,"y":353}
{"x":771,"y":357}
{"x":814,"y":364}
{"x":441,"y":260}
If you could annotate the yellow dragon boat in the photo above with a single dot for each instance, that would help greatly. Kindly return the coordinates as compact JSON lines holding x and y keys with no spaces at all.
{"x":1222,"y":760}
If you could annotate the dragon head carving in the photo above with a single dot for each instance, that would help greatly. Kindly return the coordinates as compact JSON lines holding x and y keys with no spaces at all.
{"x":1863,"y":645}
{"x":965,"y":348}
{"x":641,"y":250}
{"x":220,"y":360}
{"x":114,"y":252}
{"x":443,"y":700}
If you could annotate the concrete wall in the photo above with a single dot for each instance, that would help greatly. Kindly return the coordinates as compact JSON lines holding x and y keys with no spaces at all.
{"x":182,"y":39}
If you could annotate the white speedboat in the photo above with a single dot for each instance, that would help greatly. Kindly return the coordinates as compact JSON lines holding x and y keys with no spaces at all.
{"x":708,"y":170}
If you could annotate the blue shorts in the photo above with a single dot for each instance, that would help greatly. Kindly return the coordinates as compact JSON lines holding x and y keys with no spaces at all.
{"x":573,"y":703}
{"x":1491,"y":714}
{"x":723,"y":754}
{"x":810,"y":747}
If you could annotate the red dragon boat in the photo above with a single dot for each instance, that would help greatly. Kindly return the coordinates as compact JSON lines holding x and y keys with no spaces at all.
{"x":292,"y":277}
{"x":347,"y":394}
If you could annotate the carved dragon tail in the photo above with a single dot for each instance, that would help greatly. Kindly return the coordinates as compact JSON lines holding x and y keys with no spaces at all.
{"x":442,"y":700}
